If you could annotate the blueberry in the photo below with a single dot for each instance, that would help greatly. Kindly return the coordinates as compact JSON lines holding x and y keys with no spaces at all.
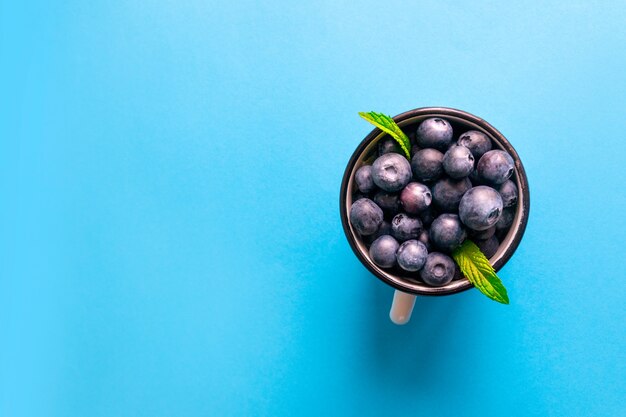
{"x":424,"y":237}
{"x":508,"y":192}
{"x":414,"y":149}
{"x":475,"y":178}
{"x":434,"y":133}
{"x":477,"y":142}
{"x":404,"y":227}
{"x":427,"y":164}
{"x":363,"y":179}
{"x":482,"y":234}
{"x":427,"y":216}
{"x":415,"y":197}
{"x":383,"y":229}
{"x":389,"y":202}
{"x":458,"y":162}
{"x":447,"y":193}
{"x":495,"y":166}
{"x":480,"y":208}
{"x":389,"y":145}
{"x":488,"y":247}
{"x":391,"y":172}
{"x":438,"y":269}
{"x":411,"y":255}
{"x":506,"y":220}
{"x":383,"y":251}
{"x":365,"y":216}
{"x":447,"y":232}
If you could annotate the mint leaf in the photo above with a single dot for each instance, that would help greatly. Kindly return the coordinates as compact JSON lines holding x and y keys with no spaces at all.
{"x":389,"y":126}
{"x":477,"y":269}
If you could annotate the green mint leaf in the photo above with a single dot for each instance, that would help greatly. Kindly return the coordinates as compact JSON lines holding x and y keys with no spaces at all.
{"x":477,"y":269}
{"x":389,"y":126}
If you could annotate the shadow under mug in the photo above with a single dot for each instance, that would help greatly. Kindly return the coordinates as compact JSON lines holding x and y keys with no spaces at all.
{"x":407,"y":287}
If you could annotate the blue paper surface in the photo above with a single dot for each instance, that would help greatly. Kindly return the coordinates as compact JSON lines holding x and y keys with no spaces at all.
{"x":170,"y":241}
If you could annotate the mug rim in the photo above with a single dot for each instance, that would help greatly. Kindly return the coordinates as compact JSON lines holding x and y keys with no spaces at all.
{"x":503,"y":254}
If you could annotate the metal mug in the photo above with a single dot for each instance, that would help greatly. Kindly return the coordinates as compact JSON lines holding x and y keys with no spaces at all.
{"x":407,"y":288}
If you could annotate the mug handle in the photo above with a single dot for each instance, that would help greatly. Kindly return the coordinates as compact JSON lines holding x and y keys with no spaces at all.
{"x":401,"y":307}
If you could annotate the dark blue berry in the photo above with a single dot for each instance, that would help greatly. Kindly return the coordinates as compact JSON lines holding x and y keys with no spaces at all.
{"x":495,"y":167}
{"x":415,"y":197}
{"x":383,"y":251}
{"x":475,"y":178}
{"x":427,"y":165}
{"x":391,"y":172}
{"x":447,"y":232}
{"x":427,"y":216}
{"x":383,"y":229}
{"x":389,"y":202}
{"x":411,"y":255}
{"x":404,"y":227}
{"x":480,"y":207}
{"x":434,"y":132}
{"x":389,"y":145}
{"x":506,"y":220}
{"x":477,"y":142}
{"x":363,"y":179}
{"x":424,"y":237}
{"x":438,"y":270}
{"x":447,"y":193}
{"x":508,"y":192}
{"x":488,"y":247}
{"x":365,"y":216}
{"x":458,"y":162}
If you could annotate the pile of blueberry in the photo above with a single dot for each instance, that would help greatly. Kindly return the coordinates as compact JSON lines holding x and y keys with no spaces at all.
{"x":413,"y":214}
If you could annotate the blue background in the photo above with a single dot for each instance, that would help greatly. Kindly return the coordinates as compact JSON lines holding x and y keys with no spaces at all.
{"x":170,"y":239}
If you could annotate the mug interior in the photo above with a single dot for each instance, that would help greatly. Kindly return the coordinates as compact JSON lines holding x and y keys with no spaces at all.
{"x":461,"y":122}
